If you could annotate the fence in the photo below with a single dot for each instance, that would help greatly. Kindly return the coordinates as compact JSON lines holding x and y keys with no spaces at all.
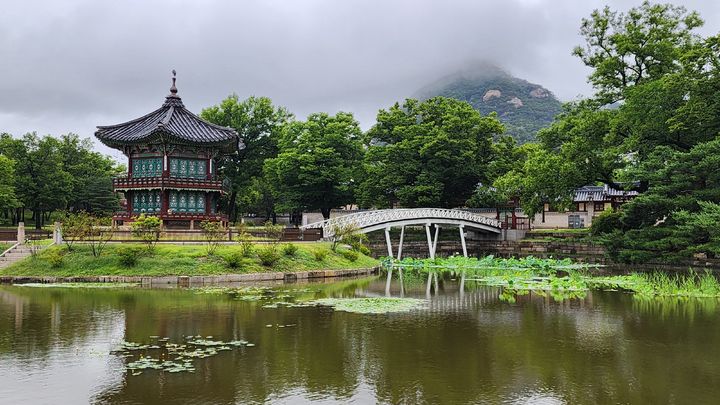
{"x":10,"y":234}
{"x":177,"y":235}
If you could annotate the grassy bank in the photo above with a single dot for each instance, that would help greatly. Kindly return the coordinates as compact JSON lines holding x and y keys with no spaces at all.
{"x":190,"y":260}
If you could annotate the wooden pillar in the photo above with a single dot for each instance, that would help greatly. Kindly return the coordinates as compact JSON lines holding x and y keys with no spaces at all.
{"x":128,"y":198}
{"x":165,"y":203}
{"x":130,"y":165}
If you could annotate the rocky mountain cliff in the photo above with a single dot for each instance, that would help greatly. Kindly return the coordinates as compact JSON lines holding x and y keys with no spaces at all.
{"x":522,"y":106}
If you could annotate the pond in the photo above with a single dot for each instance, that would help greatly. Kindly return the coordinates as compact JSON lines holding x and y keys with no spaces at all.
{"x":256,"y":345}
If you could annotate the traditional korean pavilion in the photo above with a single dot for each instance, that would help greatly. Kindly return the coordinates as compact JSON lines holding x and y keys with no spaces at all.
{"x":171,"y":170}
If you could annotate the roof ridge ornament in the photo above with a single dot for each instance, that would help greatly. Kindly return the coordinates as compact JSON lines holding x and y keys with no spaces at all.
{"x":173,"y":89}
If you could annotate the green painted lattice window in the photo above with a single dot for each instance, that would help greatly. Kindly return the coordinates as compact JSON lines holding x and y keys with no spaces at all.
{"x":147,"y":167}
{"x":188,"y":168}
{"x":146,"y":202}
{"x":187,"y":201}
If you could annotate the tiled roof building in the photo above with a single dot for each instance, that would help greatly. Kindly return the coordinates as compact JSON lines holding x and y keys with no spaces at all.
{"x":171,"y":170}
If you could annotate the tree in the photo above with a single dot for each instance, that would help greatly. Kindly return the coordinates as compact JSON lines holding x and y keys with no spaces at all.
{"x":432,"y":154}
{"x":213,"y":233}
{"x":8,"y":198}
{"x":147,"y":228}
{"x":318,"y":163}
{"x":41,"y":183}
{"x":258,"y":122}
{"x":91,"y":176}
{"x":644,"y":44}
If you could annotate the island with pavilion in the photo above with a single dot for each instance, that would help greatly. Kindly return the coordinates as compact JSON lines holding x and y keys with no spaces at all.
{"x":171,"y":169}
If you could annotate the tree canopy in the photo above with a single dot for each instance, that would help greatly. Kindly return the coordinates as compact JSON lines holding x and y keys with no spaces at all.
{"x":258,"y":122}
{"x":427,"y":154}
{"x":660,"y":139}
{"x":318,"y":163}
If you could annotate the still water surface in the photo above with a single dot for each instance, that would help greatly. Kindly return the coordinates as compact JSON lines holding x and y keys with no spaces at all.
{"x":465,"y":347}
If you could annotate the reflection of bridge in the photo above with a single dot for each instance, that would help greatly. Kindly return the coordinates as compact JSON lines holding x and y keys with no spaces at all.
{"x":368,"y":221}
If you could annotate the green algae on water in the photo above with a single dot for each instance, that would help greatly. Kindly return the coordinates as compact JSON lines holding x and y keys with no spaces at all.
{"x":371,"y":305}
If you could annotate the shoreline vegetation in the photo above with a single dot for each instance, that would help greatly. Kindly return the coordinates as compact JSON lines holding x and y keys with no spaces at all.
{"x":561,"y":279}
{"x":135,"y":259}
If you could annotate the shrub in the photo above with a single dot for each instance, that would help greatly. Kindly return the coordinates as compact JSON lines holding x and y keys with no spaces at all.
{"x":213,"y":233}
{"x":54,"y":257}
{"x":320,"y":255}
{"x":606,"y":222}
{"x":273,"y":232}
{"x":268,"y":255}
{"x":364,"y":250}
{"x":290,"y":249}
{"x":345,"y":233}
{"x":349,"y":255}
{"x":234,"y":260}
{"x":128,"y":255}
{"x":147,"y":228}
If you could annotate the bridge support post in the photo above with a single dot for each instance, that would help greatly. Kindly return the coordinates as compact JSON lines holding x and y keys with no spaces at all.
{"x":434,"y":247}
{"x":429,"y":240}
{"x":402,"y":236}
{"x":387,"y":240}
{"x":462,"y":240}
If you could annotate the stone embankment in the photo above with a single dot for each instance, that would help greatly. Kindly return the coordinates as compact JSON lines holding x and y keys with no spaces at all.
{"x":186,"y":281}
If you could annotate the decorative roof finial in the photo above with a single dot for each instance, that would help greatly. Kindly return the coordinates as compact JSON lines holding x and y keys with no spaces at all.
{"x":173,"y":89}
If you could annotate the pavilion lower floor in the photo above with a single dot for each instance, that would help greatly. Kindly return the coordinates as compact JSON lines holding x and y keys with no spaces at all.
{"x":173,"y":220}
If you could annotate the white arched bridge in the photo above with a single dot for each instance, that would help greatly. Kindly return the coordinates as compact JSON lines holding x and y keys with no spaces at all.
{"x":369,"y":221}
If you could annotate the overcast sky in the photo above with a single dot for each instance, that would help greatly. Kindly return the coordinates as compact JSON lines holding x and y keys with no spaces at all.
{"x":70,"y":65}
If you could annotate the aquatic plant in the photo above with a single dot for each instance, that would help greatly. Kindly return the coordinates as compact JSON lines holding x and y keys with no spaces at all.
{"x":172,"y":357}
{"x":371,"y":305}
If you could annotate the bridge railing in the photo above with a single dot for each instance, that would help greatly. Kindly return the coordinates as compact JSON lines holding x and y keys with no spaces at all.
{"x":369,"y":218}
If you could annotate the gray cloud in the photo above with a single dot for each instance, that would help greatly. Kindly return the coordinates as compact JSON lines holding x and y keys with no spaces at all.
{"x":69,"y":66}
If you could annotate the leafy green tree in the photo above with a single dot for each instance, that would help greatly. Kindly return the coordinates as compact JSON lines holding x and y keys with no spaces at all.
{"x":213,"y":233}
{"x":318,"y":163}
{"x":41,"y":183}
{"x":91,"y":176}
{"x":147,"y":228}
{"x":8,"y":198}
{"x":432,"y":153}
{"x":258,"y":122}
{"x":644,"y":44}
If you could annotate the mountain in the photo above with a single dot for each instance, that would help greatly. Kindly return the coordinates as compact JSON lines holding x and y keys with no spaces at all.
{"x":522,"y":106}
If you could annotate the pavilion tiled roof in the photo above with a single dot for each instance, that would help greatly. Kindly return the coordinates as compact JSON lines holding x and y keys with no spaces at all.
{"x":600,"y":193}
{"x":171,"y":123}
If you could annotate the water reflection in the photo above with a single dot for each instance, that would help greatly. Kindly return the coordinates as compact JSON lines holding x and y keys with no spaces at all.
{"x":466,"y":346}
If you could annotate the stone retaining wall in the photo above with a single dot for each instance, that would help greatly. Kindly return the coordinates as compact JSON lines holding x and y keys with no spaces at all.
{"x":186,"y":281}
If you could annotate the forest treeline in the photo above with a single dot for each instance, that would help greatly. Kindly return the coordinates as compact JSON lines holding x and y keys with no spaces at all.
{"x":652,"y":125}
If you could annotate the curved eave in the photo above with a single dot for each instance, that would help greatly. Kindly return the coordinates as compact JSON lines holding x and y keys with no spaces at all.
{"x":162,"y":135}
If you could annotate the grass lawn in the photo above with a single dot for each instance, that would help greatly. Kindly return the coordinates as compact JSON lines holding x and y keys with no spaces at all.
{"x":187,"y":260}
